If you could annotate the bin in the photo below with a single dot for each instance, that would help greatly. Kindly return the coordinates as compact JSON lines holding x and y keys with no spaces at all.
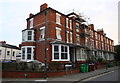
{"x":91,"y":67}
{"x":82,"y":67}
{"x":110,"y":64}
{"x":86,"y":68}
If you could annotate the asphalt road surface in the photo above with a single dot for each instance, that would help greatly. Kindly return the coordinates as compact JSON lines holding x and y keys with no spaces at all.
{"x":109,"y":77}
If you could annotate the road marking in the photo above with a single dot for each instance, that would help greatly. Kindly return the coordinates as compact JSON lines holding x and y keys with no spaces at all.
{"x":41,"y":80}
{"x":97,"y":76}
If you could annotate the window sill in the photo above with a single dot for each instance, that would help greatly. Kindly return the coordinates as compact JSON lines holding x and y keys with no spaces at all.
{"x":28,"y":41}
{"x":58,"y":23}
{"x":61,"y":60}
{"x":42,"y":40}
{"x":81,"y":59}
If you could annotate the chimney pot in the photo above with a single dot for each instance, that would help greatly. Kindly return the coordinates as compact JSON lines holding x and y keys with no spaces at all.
{"x":30,"y":15}
{"x":43,"y":7}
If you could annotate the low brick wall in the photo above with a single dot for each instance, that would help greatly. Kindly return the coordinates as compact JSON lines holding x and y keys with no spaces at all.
{"x":33,"y":74}
{"x":100,"y":65}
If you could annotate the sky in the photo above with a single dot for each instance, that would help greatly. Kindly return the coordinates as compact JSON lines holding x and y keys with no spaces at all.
{"x":13,"y":15}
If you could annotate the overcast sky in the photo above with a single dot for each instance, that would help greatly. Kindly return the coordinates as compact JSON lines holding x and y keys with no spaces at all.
{"x":13,"y":14}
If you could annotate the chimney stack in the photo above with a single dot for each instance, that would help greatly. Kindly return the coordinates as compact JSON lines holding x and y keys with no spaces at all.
{"x":3,"y":42}
{"x":43,"y":7}
{"x":100,"y":31}
{"x":92,"y":26}
{"x":30,"y":15}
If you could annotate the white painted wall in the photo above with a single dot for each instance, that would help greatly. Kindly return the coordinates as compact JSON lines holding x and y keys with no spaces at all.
{"x":4,"y":55}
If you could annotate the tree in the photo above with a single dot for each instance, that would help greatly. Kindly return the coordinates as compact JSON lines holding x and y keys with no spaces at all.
{"x":117,"y":55}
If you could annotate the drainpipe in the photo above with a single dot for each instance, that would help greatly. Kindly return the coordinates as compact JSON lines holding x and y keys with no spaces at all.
{"x":45,"y":55}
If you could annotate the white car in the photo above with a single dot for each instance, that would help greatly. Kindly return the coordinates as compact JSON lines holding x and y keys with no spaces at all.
{"x":37,"y":63}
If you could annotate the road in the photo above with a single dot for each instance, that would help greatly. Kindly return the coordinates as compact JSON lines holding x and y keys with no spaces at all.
{"x":112,"y":76}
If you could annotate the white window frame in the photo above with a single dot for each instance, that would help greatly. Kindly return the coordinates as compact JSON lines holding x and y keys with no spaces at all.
{"x":25,"y":36}
{"x":97,"y":44}
{"x":67,"y":22}
{"x":31,"y":22}
{"x":96,"y":35}
{"x":101,"y":37}
{"x":71,"y":37}
{"x":59,"y":47}
{"x":67,"y":35}
{"x":42,"y":33}
{"x":71,"y":24}
{"x":32,"y":53}
{"x":77,"y":27}
{"x":58,"y":16}
{"x":8,"y":53}
{"x":77,"y":39}
{"x":102,"y":46}
{"x":86,"y":41}
{"x":59,"y":37}
{"x":81,"y":54}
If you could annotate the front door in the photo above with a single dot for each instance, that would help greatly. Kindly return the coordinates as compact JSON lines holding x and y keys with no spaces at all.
{"x":72,"y":54}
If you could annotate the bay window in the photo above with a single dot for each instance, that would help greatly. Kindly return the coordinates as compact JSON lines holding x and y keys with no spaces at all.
{"x":27,"y":53}
{"x":56,"y":52}
{"x":60,"y":53}
{"x":80,"y":53}
{"x":64,"y":52}
{"x":28,"y":35}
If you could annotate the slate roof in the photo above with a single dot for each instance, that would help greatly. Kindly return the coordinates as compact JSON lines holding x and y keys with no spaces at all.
{"x":9,"y":46}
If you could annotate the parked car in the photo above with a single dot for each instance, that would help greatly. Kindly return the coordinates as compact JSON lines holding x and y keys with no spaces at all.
{"x":7,"y":61}
{"x":37,"y":64}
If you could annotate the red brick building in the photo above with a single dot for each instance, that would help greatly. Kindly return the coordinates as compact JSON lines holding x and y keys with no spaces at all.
{"x":64,"y":38}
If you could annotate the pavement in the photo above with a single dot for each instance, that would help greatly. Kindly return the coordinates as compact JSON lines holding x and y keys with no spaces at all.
{"x":71,"y":77}
{"x":82,"y":76}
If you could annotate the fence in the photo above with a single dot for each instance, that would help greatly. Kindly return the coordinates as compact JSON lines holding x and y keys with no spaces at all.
{"x":36,"y":67}
{"x":50,"y":66}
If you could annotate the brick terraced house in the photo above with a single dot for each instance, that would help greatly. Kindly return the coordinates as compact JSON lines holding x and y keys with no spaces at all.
{"x":53,"y":36}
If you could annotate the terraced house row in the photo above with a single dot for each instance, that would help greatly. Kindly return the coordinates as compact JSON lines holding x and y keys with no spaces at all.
{"x":53,"y":36}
